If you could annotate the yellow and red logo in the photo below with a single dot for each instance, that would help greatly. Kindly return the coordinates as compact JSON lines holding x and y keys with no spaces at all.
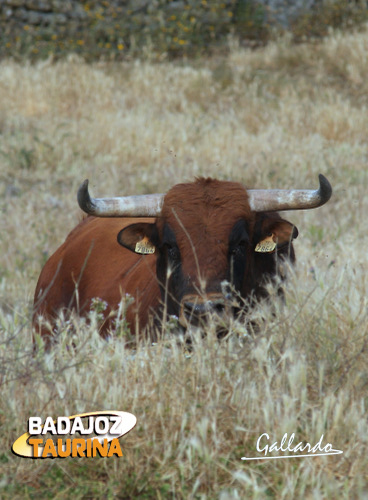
{"x":106,"y":426}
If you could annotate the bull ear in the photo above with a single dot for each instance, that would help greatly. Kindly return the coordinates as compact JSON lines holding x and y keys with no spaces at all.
{"x":138,"y":238}
{"x":273,"y":233}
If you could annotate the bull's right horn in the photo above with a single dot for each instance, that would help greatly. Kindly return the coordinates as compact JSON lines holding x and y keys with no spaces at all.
{"x":148,"y":205}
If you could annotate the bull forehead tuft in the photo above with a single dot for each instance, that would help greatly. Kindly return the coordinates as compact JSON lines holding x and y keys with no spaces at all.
{"x":206,"y":210}
{"x":202,"y":215}
{"x":207,"y":197}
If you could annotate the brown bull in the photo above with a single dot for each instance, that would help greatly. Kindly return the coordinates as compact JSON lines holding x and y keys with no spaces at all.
{"x":179,"y":252}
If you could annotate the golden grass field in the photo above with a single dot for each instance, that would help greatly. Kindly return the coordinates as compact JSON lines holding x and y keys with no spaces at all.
{"x":271,"y":118}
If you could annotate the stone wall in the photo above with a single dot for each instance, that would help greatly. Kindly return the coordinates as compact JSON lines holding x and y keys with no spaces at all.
{"x":112,"y":28}
{"x":16,"y":14}
{"x":284,"y":12}
{"x":74,"y":14}
{"x":43,"y":27}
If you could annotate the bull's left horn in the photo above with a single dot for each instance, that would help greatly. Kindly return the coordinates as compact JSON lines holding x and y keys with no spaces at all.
{"x":148,"y":205}
{"x":270,"y":200}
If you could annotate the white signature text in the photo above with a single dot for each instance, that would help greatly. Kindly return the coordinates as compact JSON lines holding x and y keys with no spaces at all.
{"x":286,"y":445}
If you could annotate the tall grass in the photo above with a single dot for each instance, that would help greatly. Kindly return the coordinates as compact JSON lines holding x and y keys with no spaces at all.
{"x":275,"y":117}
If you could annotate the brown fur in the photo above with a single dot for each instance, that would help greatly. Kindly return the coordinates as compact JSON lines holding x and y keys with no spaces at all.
{"x":92,"y":258}
{"x":215,"y":206}
{"x":201,"y":215}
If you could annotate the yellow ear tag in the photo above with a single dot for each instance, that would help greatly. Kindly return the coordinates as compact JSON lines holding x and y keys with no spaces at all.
{"x":144,"y":246}
{"x":266,"y":246}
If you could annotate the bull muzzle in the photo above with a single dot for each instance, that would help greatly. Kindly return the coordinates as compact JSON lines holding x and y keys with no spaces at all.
{"x":196,"y":310}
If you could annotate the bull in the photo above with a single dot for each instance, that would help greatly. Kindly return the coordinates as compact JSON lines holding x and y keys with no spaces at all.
{"x":172,"y":253}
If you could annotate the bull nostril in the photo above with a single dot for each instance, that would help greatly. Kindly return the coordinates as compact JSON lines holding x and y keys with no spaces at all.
{"x":218,"y":307}
{"x":194,"y":309}
{"x":188,"y":309}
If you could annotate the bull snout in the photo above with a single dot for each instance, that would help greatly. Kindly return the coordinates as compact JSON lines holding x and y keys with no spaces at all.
{"x":195,"y":310}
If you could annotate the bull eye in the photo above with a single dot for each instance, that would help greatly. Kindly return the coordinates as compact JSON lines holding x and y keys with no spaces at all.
{"x":239,"y":249}
{"x":173,"y":252}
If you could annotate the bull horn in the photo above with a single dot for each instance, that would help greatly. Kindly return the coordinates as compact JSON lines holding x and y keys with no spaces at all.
{"x":260,"y":200}
{"x":270,"y":200}
{"x":148,"y":205}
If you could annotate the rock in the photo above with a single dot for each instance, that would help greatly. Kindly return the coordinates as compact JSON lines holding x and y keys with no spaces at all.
{"x":8,"y":13}
{"x":284,"y":12}
{"x":59,"y":19}
{"x":15,"y":3}
{"x":38,"y":5}
{"x":35,"y":18}
{"x":65,"y":6}
{"x":21,"y":14}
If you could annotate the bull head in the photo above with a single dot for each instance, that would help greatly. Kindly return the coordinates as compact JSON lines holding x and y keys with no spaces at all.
{"x":207,"y":233}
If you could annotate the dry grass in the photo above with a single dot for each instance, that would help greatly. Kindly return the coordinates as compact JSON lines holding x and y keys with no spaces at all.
{"x":275,"y":117}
